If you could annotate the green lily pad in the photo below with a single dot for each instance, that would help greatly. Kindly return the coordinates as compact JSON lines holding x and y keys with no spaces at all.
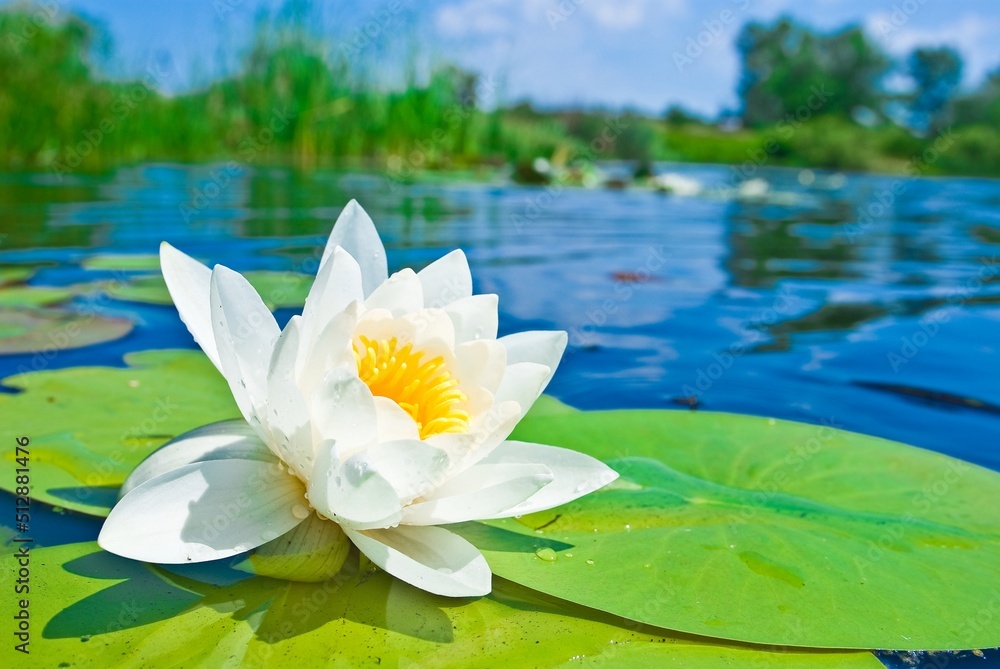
{"x":765,"y":531}
{"x":97,"y":609}
{"x":90,"y":426}
{"x":34,"y":296}
{"x":122,"y":262}
{"x":10,"y":274}
{"x":277,"y":289}
{"x":25,"y":330}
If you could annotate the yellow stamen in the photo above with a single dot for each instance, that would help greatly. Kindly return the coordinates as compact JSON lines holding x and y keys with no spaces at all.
{"x":424,"y":389}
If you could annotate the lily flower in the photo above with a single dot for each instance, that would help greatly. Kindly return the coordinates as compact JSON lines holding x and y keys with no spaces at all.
{"x":378,"y":416}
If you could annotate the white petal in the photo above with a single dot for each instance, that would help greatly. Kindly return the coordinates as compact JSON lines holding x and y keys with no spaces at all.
{"x":245,"y":332}
{"x":343,"y":411}
{"x":400,"y":294}
{"x":544,"y":347}
{"x":481,"y":363}
{"x":231,"y":439}
{"x":430,"y":558}
{"x":523,"y":382}
{"x":575,"y":474}
{"x":337,"y":285}
{"x":189,"y":284}
{"x":430,"y":330}
{"x":486,"y":433}
{"x":446,"y":280}
{"x":288,"y":415}
{"x":312,"y":552}
{"x":413,"y":467}
{"x":352,"y":492}
{"x":480,"y":492}
{"x":393,"y":421}
{"x":474,"y":317}
{"x":356,"y":234}
{"x":330,"y":350}
{"x":203,"y":511}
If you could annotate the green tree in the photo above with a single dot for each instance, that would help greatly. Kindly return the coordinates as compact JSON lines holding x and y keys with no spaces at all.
{"x":787,"y":65}
{"x":936,"y":74}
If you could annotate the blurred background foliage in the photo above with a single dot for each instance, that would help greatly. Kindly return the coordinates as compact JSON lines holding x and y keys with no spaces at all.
{"x":807,"y":99}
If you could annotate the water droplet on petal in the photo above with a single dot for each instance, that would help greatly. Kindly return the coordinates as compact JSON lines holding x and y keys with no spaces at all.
{"x":266,"y":535}
{"x":445,"y":570}
{"x":590,"y":562}
{"x":300,"y":512}
{"x":580,"y":487}
{"x":569,"y":555}
{"x":546,"y":554}
{"x":358,"y":471}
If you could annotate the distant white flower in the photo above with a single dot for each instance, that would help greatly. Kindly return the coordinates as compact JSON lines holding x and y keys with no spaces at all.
{"x":382,"y":411}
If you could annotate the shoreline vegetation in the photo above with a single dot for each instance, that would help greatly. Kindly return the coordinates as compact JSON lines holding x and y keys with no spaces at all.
{"x":808,"y":100}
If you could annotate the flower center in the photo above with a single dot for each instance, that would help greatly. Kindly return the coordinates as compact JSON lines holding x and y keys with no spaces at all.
{"x":424,"y":389}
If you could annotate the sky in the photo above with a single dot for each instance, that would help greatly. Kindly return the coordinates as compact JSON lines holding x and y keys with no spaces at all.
{"x":643,"y":54}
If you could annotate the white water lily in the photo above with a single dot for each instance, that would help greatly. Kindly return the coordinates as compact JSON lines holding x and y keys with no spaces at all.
{"x":379,"y":414}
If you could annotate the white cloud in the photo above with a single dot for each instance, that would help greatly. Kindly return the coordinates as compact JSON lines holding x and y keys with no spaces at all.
{"x":628,"y":14}
{"x":474,"y":17}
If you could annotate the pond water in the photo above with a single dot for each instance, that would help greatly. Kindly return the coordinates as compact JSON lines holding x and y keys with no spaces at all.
{"x":871,"y":303}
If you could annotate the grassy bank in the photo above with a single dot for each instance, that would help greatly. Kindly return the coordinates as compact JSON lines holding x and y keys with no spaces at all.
{"x":299,"y":101}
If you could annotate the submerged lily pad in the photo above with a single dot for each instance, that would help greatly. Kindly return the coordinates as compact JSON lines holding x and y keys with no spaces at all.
{"x":122,"y":262}
{"x":277,"y":289}
{"x":25,"y":330}
{"x":765,"y":531}
{"x":90,"y":426}
{"x":127,"y":613}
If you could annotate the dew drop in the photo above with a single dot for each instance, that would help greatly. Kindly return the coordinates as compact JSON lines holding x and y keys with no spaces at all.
{"x":300,"y":512}
{"x":546,"y":554}
{"x":357,"y":471}
{"x":266,"y":535}
{"x":444,"y":570}
{"x":647,"y":565}
{"x":590,"y":562}
{"x":569,"y":555}
{"x":580,"y":487}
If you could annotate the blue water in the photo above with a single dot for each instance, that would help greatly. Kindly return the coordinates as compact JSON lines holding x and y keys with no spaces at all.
{"x":871,"y":303}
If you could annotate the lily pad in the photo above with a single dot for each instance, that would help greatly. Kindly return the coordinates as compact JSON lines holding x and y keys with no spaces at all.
{"x":10,"y":274}
{"x":765,"y":531}
{"x":90,"y":426}
{"x":34,"y":296}
{"x":277,"y":289}
{"x":38,"y":330}
{"x":102,"y":610}
{"x":122,"y":262}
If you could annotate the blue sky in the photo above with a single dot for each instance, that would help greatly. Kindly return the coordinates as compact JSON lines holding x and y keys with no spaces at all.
{"x":555,"y":52}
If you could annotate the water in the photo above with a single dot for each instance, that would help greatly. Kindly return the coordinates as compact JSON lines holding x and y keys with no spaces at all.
{"x":871,"y":303}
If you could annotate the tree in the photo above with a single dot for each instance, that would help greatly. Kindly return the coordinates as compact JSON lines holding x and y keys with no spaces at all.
{"x":787,"y":67}
{"x":982,"y":106}
{"x":936,"y":74}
